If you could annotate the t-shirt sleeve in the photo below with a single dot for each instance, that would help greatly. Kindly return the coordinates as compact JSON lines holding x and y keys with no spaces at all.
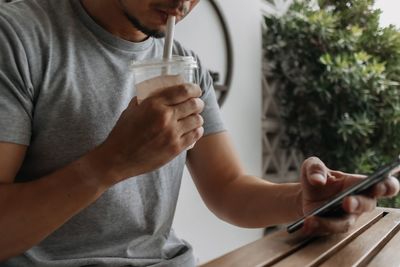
{"x":211,"y":114}
{"x":16,"y":93}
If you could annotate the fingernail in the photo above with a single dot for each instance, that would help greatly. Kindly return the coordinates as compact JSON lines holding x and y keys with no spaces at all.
{"x":353,"y":204}
{"x":317,"y":177}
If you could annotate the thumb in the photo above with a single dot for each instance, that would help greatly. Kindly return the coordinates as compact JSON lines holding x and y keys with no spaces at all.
{"x":314,"y":171}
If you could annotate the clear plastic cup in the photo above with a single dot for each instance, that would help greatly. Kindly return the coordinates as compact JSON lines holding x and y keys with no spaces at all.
{"x":153,"y":75}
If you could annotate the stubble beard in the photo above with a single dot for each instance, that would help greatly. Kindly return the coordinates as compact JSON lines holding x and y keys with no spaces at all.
{"x":138,"y":25}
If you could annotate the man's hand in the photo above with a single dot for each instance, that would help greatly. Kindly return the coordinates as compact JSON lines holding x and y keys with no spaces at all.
{"x":319,"y":184}
{"x":149,"y":135}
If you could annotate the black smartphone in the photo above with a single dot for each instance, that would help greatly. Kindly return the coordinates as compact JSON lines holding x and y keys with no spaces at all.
{"x":333,"y":207}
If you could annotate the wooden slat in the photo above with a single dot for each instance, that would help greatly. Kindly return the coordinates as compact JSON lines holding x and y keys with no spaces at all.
{"x":272,"y":248}
{"x":323,"y":247}
{"x":389,"y":256}
{"x":366,"y":245}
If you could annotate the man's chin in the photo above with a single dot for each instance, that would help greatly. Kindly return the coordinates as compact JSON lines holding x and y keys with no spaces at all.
{"x":156,"y":34}
{"x":155,"y":31}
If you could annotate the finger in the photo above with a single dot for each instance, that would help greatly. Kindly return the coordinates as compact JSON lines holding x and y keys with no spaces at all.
{"x":359,"y":204}
{"x":189,"y":107}
{"x":395,"y":171}
{"x":322,"y":226}
{"x":387,"y":188}
{"x":392,"y":186}
{"x":190,"y":123}
{"x":378,"y":190}
{"x":349,"y":179}
{"x":191,"y":137}
{"x":344,"y":175}
{"x":315,"y":171}
{"x":179,"y":93}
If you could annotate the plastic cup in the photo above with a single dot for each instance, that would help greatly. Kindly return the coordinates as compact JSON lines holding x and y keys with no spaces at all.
{"x":152,"y":76}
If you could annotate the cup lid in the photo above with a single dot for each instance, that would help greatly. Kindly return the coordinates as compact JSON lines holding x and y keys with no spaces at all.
{"x":187,"y":61}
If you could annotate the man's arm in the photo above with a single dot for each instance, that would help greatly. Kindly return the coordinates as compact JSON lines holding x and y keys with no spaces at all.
{"x":252,"y":202}
{"x":240,"y":199}
{"x":11,"y":156}
{"x":31,"y":211}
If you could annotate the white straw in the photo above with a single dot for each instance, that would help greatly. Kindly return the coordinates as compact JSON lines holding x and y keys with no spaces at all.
{"x":169,"y":38}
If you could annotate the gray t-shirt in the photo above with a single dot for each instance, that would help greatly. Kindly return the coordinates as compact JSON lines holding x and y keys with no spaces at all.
{"x":64,"y":82}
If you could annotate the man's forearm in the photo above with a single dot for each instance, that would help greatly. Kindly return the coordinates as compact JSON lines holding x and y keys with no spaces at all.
{"x":251,"y":202}
{"x":30,"y":211}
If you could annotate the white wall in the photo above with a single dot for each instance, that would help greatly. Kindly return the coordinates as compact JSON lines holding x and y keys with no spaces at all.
{"x":210,"y":236}
{"x":390,"y":9}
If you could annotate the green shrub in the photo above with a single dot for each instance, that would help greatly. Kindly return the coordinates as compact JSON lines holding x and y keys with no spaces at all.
{"x":339,"y":76}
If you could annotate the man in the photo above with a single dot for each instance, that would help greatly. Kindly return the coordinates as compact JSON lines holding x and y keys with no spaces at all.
{"x":91,"y":178}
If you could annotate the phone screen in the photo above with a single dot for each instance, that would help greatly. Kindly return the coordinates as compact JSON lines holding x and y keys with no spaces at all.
{"x":333,"y":207}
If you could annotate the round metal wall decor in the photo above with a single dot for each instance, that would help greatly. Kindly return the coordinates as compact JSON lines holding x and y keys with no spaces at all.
{"x":223,"y":88}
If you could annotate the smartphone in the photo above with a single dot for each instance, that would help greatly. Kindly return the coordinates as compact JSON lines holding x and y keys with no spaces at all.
{"x":333,"y":207}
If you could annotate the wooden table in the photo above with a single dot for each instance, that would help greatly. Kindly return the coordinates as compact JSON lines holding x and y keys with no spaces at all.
{"x":374,"y":242}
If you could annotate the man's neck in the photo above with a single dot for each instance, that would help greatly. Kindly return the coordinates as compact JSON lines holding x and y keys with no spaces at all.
{"x":109,"y":15}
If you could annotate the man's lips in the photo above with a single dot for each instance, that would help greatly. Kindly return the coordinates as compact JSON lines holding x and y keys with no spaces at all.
{"x":165,"y":13}
{"x":178,"y":11}
{"x":171,"y":12}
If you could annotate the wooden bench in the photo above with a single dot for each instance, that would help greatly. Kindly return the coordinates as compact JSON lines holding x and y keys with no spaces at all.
{"x":374,"y":242}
